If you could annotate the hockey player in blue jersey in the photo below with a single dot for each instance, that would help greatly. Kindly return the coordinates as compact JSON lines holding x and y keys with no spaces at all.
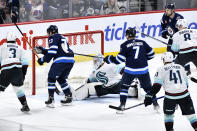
{"x":135,"y":53}
{"x":168,"y":24}
{"x":63,"y":61}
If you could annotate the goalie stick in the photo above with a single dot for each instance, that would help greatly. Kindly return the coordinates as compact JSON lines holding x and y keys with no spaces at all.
{"x":118,"y":108}
{"x":138,"y":28}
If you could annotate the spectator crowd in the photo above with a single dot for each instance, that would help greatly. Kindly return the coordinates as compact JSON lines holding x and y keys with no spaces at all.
{"x":35,"y":10}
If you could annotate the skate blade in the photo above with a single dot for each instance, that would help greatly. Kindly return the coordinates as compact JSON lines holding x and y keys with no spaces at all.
{"x":50,"y":105}
{"x":119,"y":112}
{"x":26,"y":112}
{"x":66,"y":104}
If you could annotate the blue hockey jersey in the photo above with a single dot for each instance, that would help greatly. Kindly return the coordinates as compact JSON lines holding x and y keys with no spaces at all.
{"x":135,"y":53}
{"x":56,"y":52}
{"x":166,"y":22}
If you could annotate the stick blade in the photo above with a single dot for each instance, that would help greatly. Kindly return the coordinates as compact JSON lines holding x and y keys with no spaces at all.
{"x":115,"y":107}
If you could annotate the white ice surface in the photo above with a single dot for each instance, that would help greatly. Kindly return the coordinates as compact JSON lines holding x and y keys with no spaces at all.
{"x":87,"y":115}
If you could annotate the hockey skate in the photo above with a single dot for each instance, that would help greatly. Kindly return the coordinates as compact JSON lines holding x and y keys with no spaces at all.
{"x":67,"y":100}
{"x":50,"y":102}
{"x":25,"y":108}
{"x":122,"y":107}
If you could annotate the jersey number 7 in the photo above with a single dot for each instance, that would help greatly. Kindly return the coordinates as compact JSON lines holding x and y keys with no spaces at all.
{"x":137,"y":48}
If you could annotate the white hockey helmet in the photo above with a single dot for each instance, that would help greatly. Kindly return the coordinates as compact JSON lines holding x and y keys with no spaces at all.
{"x":167,"y":57}
{"x":182,"y":23}
{"x":97,"y":61}
{"x":11,"y":37}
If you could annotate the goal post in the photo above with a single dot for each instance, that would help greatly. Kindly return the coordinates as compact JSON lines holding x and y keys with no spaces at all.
{"x":88,"y":42}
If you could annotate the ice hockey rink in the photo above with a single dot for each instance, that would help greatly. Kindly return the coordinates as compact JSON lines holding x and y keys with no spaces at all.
{"x":87,"y":115}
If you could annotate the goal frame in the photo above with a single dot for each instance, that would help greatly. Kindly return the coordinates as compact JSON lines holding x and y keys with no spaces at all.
{"x":65,"y":34}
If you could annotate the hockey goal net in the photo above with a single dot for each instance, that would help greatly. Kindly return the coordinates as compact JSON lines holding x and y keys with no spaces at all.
{"x":88,"y":43}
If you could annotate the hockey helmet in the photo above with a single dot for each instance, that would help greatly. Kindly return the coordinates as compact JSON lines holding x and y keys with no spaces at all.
{"x":11,"y":37}
{"x":53,"y":29}
{"x":182,"y":22}
{"x":170,"y":6}
{"x":131,"y":32}
{"x":98,"y":60}
{"x":168,"y":57}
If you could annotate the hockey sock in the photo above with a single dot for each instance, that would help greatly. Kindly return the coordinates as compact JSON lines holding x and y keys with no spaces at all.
{"x":51,"y":89}
{"x":169,"y":122}
{"x":123,"y":96}
{"x":23,"y":100}
{"x":66,"y":88}
{"x":20,"y":94}
{"x":193,"y":120}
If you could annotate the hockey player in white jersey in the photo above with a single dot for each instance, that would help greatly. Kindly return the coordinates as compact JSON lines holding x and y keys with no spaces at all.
{"x":13,"y":68}
{"x":185,"y":43}
{"x":104,"y":79}
{"x":174,"y":80}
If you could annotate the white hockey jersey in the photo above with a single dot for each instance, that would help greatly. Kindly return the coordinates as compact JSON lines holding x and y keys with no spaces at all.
{"x":174,"y":80}
{"x":12,"y":55}
{"x":108,"y":74}
{"x":185,"y":41}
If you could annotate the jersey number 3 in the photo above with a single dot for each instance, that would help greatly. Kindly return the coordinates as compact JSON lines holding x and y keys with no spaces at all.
{"x":13,"y":51}
{"x":175,"y":76}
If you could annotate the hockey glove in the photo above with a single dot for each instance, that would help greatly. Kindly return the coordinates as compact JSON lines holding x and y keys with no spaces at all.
{"x":148,"y":99}
{"x":40,"y":61}
{"x":40,"y":50}
{"x":107,"y":59}
{"x":164,"y":34}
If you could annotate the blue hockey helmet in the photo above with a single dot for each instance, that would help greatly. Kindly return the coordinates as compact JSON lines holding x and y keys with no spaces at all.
{"x":131,"y":32}
{"x":170,"y":6}
{"x":53,"y":29}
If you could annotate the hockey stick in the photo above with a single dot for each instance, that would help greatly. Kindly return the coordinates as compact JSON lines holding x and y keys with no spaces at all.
{"x":138,"y":28}
{"x":26,"y":40}
{"x":118,"y":108}
{"x":80,"y":86}
{"x":193,"y":79}
{"x":87,"y":55}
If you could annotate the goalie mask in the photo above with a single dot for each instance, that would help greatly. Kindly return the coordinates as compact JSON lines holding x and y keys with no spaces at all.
{"x":97,"y":61}
{"x":11,"y":37}
{"x":167,"y":57}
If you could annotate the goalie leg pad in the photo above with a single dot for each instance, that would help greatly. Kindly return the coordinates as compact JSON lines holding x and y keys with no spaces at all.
{"x":85,"y":91}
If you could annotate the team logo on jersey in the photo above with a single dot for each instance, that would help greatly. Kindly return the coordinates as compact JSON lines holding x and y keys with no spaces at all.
{"x":101,"y":77}
{"x":51,"y":41}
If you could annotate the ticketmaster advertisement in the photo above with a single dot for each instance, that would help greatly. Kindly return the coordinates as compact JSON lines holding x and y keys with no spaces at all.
{"x":114,"y":28}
